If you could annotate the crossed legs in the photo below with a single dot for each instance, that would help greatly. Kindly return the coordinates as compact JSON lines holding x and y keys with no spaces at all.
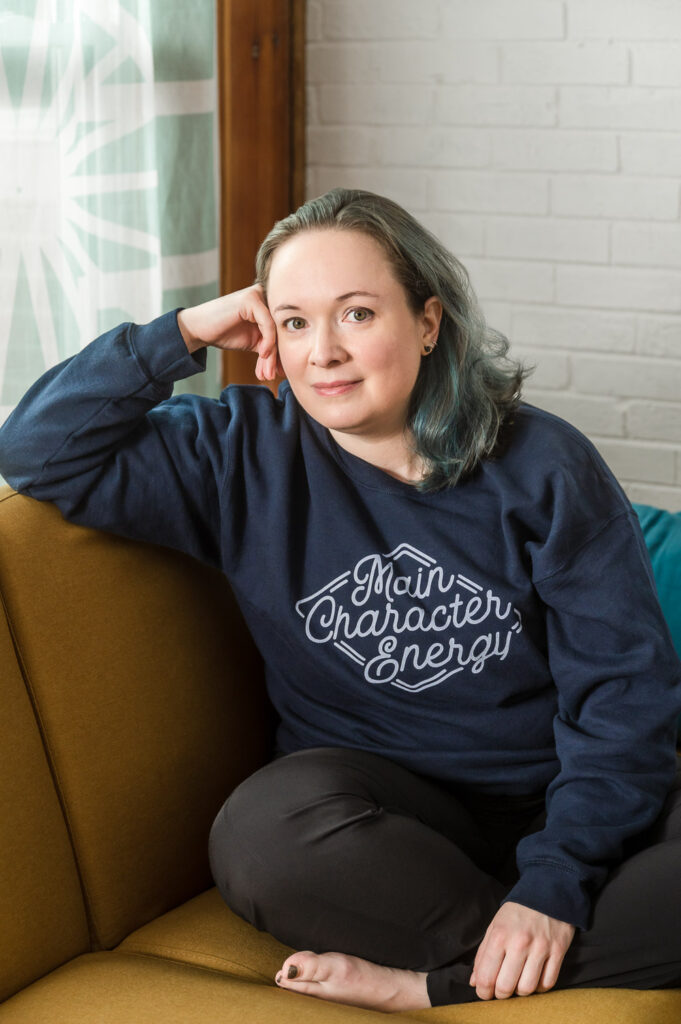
{"x":337,"y":851}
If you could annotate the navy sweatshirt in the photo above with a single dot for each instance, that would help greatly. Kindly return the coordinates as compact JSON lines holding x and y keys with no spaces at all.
{"x":503,"y":635}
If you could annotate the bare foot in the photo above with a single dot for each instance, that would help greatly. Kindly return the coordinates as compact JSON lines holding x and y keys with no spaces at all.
{"x":341,"y":978}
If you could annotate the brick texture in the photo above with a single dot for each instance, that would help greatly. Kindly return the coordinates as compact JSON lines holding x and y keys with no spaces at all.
{"x":539,"y":140}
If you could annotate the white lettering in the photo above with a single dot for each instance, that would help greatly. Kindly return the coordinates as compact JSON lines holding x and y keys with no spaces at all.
{"x":383,"y":668}
{"x":374,"y":604}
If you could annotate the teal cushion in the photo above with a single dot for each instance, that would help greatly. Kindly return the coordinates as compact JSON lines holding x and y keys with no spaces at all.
{"x":662,"y":534}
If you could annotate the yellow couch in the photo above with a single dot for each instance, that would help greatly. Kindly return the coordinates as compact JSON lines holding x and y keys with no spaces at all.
{"x":132,"y":703}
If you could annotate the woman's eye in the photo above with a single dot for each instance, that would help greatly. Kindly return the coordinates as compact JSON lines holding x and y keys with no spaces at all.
{"x":296,"y":323}
{"x":360,"y":314}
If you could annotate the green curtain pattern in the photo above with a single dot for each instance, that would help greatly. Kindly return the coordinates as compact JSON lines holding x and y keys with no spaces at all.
{"x":108,"y":176}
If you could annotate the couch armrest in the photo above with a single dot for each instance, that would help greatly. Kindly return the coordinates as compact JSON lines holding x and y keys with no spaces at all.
{"x":150,"y":699}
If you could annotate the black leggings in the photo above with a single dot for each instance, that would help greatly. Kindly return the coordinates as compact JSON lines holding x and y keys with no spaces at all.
{"x":331,"y":849}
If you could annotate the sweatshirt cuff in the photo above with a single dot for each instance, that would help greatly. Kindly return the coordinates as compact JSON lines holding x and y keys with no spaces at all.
{"x":554,"y":891}
{"x":161,"y":352}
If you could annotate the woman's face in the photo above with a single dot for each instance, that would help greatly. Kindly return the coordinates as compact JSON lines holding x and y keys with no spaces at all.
{"x":348,"y":341}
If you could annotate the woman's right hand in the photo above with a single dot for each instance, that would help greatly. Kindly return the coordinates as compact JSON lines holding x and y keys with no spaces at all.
{"x":238,"y":322}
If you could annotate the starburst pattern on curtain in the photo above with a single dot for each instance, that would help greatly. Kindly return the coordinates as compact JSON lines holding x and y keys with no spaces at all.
{"x":107,"y":182}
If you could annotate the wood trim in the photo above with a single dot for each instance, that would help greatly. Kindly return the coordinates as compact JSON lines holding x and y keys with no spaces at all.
{"x":261,"y":71}
{"x":298,"y":108}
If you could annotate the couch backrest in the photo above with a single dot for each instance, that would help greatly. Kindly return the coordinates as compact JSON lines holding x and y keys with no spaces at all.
{"x":150,"y":699}
{"x":42,"y":915}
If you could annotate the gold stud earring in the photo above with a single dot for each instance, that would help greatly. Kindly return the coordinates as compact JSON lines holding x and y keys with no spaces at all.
{"x":428,"y":349}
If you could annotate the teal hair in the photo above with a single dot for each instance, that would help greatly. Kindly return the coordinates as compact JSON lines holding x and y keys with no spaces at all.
{"x":467,"y":388}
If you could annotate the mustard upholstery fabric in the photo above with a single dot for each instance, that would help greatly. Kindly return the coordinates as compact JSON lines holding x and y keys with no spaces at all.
{"x":578,"y":1006}
{"x":206,"y":933}
{"x":150,"y":698}
{"x":42,"y":915}
{"x":115,"y":988}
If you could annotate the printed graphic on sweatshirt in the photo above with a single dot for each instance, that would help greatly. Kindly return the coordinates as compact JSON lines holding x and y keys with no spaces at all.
{"x":407,"y":621}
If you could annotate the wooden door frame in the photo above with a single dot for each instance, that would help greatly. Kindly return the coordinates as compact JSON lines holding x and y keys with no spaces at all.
{"x":261,"y":74}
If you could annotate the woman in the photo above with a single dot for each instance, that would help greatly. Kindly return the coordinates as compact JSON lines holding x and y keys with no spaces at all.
{"x":472,"y":794}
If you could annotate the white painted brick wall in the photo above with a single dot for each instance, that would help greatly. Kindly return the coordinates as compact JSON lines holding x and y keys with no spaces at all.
{"x":541,"y":141}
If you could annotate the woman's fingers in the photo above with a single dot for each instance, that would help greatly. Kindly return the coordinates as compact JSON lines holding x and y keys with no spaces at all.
{"x":509,"y":972}
{"x":487,"y":970}
{"x":257,"y":312}
{"x":549,"y":975}
{"x":521,"y":952}
{"x":268,"y":356}
{"x":240,"y":321}
{"x":478,"y":960}
{"x":261,"y":316}
{"x":267,"y":367}
{"x":530,"y":975}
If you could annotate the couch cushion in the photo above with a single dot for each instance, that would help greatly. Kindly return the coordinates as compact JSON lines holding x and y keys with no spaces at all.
{"x":150,"y":697}
{"x":118,"y":988}
{"x":574,"y":1006}
{"x":113,"y":988}
{"x":206,"y":933}
{"x":662,"y":534}
{"x":42,"y":914}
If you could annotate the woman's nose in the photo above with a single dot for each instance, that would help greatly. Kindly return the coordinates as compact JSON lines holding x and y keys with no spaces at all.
{"x":326,"y":347}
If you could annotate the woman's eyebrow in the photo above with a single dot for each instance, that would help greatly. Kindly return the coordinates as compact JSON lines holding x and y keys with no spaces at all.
{"x":339,"y":298}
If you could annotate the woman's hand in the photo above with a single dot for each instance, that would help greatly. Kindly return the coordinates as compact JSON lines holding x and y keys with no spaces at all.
{"x":238,"y":322}
{"x":522,"y":952}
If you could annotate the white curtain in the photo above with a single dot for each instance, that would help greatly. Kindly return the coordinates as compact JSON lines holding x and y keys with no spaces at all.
{"x":108,"y":174}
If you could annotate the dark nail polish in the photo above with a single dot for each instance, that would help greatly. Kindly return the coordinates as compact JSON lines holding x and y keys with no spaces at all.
{"x":292,"y":971}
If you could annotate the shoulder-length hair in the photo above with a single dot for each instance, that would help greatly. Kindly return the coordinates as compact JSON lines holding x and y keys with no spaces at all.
{"x":467,"y":387}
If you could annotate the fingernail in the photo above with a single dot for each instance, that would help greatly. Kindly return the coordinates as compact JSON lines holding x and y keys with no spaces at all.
{"x":292,"y":971}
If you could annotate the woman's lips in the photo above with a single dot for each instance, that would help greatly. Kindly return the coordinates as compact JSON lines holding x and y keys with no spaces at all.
{"x":336,"y":387}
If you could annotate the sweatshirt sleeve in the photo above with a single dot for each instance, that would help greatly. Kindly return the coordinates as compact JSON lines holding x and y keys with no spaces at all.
{"x":100,"y":437}
{"x":619,"y":693}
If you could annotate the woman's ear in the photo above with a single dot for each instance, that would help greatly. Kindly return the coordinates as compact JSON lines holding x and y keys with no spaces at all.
{"x":432,"y":315}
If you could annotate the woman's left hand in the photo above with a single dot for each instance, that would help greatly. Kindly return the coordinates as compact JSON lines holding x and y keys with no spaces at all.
{"x":521,"y":953}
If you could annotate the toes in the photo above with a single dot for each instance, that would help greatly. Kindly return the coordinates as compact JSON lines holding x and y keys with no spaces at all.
{"x":301,"y":966}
